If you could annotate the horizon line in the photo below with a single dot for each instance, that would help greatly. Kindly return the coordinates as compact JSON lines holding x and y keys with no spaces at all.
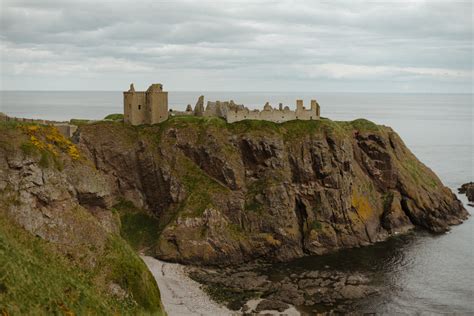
{"x":254,"y":91}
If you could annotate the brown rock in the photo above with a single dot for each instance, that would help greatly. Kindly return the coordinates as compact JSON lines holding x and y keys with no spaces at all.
{"x":468,"y":189}
{"x":233,"y":193}
{"x":271,"y":305}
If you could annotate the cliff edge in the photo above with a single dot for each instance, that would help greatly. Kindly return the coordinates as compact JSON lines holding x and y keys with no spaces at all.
{"x":219,"y":193}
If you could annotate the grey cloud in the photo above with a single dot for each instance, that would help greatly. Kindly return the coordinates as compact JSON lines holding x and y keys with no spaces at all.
{"x":281,"y":42}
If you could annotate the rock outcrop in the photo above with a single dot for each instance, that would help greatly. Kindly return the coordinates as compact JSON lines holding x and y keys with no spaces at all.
{"x":229,"y":193}
{"x":314,"y":288}
{"x":468,"y":189}
{"x":51,"y":192}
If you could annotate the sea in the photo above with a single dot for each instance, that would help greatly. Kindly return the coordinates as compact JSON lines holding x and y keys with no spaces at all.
{"x":423,"y":273}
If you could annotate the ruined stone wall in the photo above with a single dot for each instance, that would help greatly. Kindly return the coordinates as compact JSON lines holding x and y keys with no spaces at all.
{"x":135,"y":105}
{"x":221,"y":109}
{"x":158,"y":105}
{"x":275,"y":115}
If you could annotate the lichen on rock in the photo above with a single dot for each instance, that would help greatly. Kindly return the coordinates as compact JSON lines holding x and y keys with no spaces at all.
{"x":229,"y":193}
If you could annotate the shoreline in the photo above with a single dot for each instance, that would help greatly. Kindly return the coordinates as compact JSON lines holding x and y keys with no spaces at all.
{"x":180,"y":295}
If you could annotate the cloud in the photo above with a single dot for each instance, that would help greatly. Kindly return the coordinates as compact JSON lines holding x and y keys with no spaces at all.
{"x":290,"y":45}
{"x":345,"y":71}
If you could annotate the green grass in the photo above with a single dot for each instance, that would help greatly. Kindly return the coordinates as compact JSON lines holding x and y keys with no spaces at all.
{"x":140,"y":229}
{"x":200,"y":188}
{"x":44,"y":160}
{"x":419,"y":176}
{"x":114,"y":117}
{"x":130,"y":272}
{"x":36,"y":280}
{"x":290,"y":130}
{"x":316,"y":225}
{"x":361,"y":125}
{"x":28,"y":148}
{"x":47,"y":159}
{"x":12,"y":124}
{"x":78,"y":122}
{"x":254,"y":206}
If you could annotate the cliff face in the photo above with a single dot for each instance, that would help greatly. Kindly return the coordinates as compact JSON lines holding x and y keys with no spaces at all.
{"x":227,"y":193}
{"x":60,"y":249}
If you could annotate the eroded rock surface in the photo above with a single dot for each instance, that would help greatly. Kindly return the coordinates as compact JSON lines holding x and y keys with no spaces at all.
{"x":321,"y":290}
{"x":228,"y":193}
{"x":56,"y":216}
{"x":468,"y":189}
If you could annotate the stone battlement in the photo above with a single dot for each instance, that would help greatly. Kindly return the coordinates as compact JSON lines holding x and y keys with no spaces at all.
{"x":151,"y":106}
{"x":277,"y":115}
{"x":232,"y":112}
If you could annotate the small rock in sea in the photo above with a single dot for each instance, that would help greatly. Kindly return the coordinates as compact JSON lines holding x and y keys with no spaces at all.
{"x":468,"y":189}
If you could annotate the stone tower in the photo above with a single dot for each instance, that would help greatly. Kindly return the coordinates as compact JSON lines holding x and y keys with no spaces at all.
{"x":145,"y":107}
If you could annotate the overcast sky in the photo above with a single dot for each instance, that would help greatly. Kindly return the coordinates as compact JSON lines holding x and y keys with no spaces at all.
{"x":376,"y":46}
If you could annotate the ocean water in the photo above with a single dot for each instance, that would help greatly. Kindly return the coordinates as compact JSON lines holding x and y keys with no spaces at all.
{"x":423,"y":273}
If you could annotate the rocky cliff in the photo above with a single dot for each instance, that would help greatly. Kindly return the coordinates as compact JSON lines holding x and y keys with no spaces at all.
{"x":228,"y":193}
{"x":60,"y":247}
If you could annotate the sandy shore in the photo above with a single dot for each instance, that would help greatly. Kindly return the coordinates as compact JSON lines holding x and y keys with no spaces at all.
{"x":180,"y":294}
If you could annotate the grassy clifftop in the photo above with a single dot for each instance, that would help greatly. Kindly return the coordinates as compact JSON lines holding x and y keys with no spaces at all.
{"x":223,"y":192}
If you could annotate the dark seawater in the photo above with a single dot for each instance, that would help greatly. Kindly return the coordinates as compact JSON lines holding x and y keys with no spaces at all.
{"x":422,"y":273}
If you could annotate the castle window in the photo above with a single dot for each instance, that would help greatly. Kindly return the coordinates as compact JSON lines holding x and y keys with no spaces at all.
{"x":310,"y":117}
{"x":139,"y":106}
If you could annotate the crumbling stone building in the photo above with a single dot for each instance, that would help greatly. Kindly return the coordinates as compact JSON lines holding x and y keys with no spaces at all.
{"x":151,"y":107}
{"x":233,"y":112}
{"x":145,"y":107}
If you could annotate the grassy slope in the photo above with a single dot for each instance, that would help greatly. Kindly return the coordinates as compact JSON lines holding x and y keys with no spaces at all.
{"x":138,"y":228}
{"x":36,"y":279}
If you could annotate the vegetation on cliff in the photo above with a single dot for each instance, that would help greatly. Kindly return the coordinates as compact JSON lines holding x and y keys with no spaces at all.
{"x":225,"y":193}
{"x":194,"y":190}
{"x":38,"y":280}
{"x":60,"y":249}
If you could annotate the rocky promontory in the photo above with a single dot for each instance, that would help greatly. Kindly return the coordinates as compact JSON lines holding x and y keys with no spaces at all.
{"x":228,"y":193}
{"x":204,"y":192}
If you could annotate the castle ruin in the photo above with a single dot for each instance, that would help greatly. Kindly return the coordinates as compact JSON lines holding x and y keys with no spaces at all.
{"x":145,"y":107}
{"x":151,"y":107}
